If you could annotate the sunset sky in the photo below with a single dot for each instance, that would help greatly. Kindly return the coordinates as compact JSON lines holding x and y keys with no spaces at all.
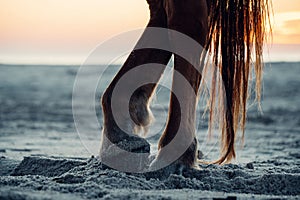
{"x":65,"y":31}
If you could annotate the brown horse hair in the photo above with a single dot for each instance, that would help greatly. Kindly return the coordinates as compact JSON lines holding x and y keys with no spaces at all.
{"x":237,"y":32}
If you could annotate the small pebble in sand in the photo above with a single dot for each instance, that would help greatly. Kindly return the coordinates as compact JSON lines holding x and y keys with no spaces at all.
{"x":249,"y":166}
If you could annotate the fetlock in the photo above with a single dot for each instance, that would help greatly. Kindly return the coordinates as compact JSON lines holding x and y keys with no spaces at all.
{"x":139,"y":110}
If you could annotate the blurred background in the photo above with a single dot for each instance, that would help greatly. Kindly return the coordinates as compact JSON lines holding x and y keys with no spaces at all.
{"x":65,"y":31}
{"x":42,"y":44}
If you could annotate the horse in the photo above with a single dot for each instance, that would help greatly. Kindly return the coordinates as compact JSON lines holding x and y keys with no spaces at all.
{"x":233,"y":33}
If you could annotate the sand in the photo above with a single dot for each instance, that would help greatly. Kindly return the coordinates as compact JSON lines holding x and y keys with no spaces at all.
{"x":42,"y":157}
{"x":49,"y":178}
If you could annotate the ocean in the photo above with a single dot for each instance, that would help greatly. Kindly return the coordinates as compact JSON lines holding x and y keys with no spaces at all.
{"x":36,"y":115}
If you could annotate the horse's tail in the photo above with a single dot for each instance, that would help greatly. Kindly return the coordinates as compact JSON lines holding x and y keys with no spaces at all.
{"x":237,"y":31}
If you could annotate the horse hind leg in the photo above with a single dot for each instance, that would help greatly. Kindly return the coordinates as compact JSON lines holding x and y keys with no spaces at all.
{"x":139,"y":110}
{"x":190,"y":18}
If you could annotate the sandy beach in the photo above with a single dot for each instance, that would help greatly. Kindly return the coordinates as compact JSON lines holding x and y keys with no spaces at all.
{"x":43,"y":157}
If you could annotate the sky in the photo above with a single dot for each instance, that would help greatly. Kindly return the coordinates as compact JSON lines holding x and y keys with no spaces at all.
{"x":66,"y":31}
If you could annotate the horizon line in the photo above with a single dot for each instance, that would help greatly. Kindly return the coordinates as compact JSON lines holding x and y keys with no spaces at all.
{"x":100,"y":64}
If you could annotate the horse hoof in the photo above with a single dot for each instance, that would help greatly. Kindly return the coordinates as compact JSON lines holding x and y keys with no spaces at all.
{"x":129,"y":154}
{"x":134,"y":144}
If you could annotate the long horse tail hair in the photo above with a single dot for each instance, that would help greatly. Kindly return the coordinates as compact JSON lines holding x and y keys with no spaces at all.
{"x":237,"y":32}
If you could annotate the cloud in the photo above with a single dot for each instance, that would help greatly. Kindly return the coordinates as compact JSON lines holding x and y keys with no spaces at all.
{"x":286,"y":5}
{"x":292,"y":26}
{"x":287,"y":28}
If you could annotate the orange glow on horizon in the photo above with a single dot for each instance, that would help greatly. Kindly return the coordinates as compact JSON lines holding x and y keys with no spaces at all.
{"x":77,"y":26}
{"x":67,"y":20}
